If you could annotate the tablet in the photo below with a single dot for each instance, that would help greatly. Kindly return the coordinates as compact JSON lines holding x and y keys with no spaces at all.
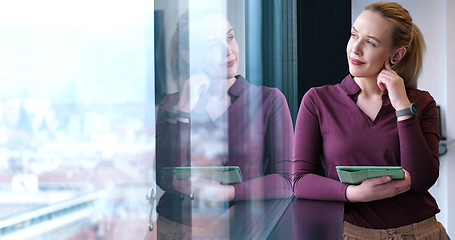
{"x":357,"y":174}
{"x":222,"y":174}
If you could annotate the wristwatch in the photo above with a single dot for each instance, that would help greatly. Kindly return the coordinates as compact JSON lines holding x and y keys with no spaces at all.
{"x":173,"y":113}
{"x":411,"y":110}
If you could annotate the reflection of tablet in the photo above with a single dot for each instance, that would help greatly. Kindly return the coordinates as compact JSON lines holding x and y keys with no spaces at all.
{"x":222,"y":174}
{"x":356,"y":174}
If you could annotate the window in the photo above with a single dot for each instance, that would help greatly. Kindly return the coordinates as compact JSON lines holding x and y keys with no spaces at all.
{"x":77,"y":118}
{"x":82,"y":88}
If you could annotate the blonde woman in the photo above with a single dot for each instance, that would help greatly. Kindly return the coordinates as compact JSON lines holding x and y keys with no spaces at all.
{"x":375,"y":116}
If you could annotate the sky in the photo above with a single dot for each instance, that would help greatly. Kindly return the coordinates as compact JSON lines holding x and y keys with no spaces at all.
{"x":84,"y":52}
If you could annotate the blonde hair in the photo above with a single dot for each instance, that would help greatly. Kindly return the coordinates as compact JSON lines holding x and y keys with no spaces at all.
{"x":406,"y":34}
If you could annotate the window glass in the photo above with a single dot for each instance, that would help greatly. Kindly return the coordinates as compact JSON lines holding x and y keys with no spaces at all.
{"x":76,"y":118}
{"x":219,"y":117}
{"x":107,"y":108}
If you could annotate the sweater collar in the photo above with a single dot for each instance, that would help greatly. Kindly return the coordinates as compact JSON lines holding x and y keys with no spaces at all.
{"x":240,"y":85}
{"x":351,"y":87}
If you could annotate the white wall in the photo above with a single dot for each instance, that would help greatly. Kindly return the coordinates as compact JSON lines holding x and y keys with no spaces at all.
{"x":438,"y":77}
{"x":450,"y":111}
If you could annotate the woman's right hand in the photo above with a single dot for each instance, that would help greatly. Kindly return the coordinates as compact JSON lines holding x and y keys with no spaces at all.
{"x":378,"y":188}
{"x":193,"y":88}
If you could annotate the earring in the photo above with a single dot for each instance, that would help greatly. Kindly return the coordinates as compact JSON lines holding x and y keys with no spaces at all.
{"x":394,"y":60}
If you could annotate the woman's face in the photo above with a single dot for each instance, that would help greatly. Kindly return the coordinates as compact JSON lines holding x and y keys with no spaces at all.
{"x":370,"y":45}
{"x":218,"y":49}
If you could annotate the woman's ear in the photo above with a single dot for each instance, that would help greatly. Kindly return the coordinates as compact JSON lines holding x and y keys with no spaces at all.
{"x":398,"y":55}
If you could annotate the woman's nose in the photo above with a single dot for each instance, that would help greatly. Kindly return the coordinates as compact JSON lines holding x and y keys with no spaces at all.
{"x":356,"y":49}
{"x":228,"y":49}
{"x":228,"y":52}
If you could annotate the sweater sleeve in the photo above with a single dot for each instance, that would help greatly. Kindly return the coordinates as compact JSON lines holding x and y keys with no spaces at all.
{"x":279,"y":138}
{"x":307,"y":151}
{"x":419,"y":146}
{"x":172,"y":139}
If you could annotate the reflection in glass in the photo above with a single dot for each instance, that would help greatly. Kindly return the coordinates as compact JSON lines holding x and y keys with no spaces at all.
{"x":77,"y":122}
{"x":216,"y":119}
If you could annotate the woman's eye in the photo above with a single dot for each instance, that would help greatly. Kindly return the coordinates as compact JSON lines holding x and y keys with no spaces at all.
{"x":230,"y":37}
{"x":353,"y":35}
{"x":371,"y":43}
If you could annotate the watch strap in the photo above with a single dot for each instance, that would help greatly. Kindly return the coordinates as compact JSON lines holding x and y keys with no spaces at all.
{"x":403,"y":112}
{"x":174,"y":113}
{"x":410,"y":110}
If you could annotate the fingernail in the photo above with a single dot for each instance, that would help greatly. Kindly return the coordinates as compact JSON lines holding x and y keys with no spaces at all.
{"x":388,"y":178}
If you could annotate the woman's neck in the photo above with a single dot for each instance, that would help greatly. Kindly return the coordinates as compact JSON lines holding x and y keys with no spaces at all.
{"x":230,"y":82}
{"x":368,"y":86}
{"x":219,"y":100}
{"x":370,"y":97}
{"x":219,"y":87}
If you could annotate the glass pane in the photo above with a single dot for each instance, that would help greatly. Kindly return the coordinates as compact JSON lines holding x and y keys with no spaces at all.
{"x":102,"y":100}
{"x":76,"y":119}
{"x":223,"y":141}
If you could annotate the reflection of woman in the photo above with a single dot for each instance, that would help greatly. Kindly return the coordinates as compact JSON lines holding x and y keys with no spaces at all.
{"x":258,"y":131}
{"x":363,"y":121}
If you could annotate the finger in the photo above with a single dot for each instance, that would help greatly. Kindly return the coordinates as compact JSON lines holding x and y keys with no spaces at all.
{"x":386,"y":179}
{"x":407,"y":177}
{"x":204,"y":86}
{"x":380,"y":82}
{"x":401,"y":186}
{"x":200,"y":82}
{"x":176,"y":182}
{"x":381,"y":86}
{"x":195,"y":180}
{"x":378,"y":180}
{"x":387,"y":64}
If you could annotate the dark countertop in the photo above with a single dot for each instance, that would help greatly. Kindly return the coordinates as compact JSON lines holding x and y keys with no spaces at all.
{"x":271,"y":219}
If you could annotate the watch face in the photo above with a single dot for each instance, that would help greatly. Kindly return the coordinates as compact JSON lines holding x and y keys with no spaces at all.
{"x":414,"y":109}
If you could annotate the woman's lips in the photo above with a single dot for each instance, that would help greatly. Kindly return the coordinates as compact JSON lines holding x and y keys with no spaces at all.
{"x":230,"y":63}
{"x":356,"y":61}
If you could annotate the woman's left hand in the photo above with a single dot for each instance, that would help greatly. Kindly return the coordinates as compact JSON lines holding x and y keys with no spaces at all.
{"x":390,"y":80}
{"x":374,"y":189}
{"x":205,"y":189}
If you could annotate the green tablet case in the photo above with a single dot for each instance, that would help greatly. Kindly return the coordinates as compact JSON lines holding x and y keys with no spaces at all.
{"x":222,"y":174}
{"x":357,"y":174}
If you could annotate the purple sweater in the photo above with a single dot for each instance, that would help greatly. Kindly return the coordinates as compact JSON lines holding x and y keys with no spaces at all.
{"x":259,"y":140}
{"x":332,"y":130}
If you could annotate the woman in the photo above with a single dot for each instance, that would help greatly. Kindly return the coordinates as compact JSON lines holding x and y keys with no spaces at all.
{"x":219,"y":119}
{"x":370,"y":119}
